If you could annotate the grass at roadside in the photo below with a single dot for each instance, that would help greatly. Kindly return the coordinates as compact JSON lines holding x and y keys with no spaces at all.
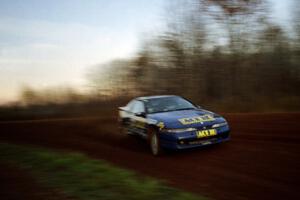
{"x":81,"y":177}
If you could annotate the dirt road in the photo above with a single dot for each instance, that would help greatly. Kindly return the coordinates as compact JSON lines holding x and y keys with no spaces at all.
{"x":260,"y":162}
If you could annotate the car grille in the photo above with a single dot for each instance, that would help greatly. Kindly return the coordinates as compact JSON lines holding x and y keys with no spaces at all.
{"x":204,"y":127}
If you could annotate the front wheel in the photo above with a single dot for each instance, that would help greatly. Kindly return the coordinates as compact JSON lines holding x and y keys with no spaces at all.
{"x":155,"y":144}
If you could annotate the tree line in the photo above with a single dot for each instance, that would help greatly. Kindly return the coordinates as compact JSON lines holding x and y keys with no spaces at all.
{"x":224,"y":54}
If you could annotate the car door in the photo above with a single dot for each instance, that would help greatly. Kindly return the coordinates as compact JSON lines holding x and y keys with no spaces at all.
{"x":138,"y":120}
{"x":126,"y":115}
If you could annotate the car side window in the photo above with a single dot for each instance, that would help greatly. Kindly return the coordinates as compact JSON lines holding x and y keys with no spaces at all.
{"x":138,"y":107}
{"x":130,"y":105}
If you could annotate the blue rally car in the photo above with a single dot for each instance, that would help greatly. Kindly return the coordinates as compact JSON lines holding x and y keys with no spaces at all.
{"x":172,"y":122}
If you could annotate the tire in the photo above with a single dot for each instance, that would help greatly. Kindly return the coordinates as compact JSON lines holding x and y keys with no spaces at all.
{"x":155,"y":143}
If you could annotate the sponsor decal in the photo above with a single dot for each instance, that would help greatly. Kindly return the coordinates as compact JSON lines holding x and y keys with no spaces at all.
{"x":197,"y":119}
{"x":161,"y":125}
{"x":139,"y":124}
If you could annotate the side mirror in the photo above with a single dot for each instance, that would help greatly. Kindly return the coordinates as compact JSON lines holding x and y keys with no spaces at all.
{"x":140,"y":114}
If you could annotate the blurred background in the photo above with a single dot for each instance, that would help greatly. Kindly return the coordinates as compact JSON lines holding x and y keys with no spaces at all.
{"x":60,"y":58}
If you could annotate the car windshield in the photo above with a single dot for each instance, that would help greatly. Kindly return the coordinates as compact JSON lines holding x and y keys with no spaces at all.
{"x":166,"y":104}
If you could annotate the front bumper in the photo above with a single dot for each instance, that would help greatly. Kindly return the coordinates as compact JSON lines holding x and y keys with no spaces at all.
{"x":188,"y":140}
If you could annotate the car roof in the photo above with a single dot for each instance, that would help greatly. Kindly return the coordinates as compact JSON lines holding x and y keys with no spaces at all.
{"x":154,"y":97}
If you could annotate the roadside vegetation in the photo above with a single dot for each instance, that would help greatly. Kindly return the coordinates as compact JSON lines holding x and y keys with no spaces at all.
{"x":77,"y":176}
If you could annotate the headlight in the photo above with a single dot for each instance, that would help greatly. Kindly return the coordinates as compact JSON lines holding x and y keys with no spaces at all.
{"x":219,"y":125}
{"x":179,"y":130}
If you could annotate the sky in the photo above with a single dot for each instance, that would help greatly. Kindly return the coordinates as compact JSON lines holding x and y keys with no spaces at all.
{"x":54,"y":42}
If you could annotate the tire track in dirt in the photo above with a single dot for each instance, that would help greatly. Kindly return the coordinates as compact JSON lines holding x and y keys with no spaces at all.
{"x":260,"y":162}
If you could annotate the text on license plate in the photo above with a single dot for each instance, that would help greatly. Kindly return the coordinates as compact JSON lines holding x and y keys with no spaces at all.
{"x":206,"y":133}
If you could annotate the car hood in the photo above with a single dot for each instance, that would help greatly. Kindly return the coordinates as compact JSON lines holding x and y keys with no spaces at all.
{"x":172,"y":119}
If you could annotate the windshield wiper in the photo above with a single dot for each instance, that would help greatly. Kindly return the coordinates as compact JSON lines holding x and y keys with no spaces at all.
{"x":161,"y":111}
{"x":183,"y":109}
